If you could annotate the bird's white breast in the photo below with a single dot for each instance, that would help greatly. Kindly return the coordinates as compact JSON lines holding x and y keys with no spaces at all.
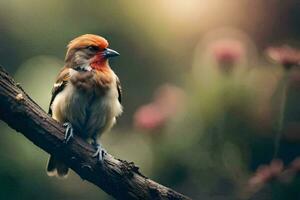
{"x":90,"y":113}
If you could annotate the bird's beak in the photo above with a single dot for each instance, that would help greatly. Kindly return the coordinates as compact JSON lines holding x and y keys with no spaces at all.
{"x":108,"y":53}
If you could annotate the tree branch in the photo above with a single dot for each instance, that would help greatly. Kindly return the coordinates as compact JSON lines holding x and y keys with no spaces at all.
{"x":119,"y":178}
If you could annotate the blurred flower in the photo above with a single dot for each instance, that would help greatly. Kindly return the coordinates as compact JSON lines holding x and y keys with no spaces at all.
{"x":285,"y":55}
{"x":265,"y":173}
{"x":275,"y":169}
{"x":223,"y":48}
{"x":227,"y":52}
{"x":149,"y":117}
{"x":168,"y":100}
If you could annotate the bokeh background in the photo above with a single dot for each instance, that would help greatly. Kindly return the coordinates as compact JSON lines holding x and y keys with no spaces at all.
{"x":202,"y":99}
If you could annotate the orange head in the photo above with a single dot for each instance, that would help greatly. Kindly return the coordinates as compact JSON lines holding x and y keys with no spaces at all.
{"x":88,"y":52}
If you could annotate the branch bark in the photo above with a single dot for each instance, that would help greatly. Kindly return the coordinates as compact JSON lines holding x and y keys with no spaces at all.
{"x":118,"y":178}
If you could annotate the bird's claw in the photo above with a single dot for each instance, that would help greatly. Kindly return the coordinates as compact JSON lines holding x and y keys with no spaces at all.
{"x":69,"y":132}
{"x":100,"y":152}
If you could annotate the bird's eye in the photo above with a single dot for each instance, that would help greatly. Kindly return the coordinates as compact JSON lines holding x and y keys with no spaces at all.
{"x":93,"y":48}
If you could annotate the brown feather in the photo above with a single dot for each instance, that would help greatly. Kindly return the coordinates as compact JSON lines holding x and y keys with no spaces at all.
{"x":56,"y":167}
{"x":60,"y":84}
{"x":119,"y":88}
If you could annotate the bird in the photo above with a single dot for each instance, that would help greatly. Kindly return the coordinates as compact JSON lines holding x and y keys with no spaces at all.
{"x":86,"y":96}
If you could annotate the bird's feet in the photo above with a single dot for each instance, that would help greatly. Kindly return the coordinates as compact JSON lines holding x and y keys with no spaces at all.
{"x":100,"y":151}
{"x":69,"y":132}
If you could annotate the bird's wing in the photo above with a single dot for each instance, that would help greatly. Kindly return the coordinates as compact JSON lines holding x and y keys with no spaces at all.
{"x":60,"y":83}
{"x":119,"y":88}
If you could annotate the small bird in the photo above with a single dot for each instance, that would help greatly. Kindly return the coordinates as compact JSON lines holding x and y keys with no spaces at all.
{"x":86,"y":96}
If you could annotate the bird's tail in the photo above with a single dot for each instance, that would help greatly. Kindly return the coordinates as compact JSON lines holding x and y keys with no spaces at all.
{"x":56,"y":168}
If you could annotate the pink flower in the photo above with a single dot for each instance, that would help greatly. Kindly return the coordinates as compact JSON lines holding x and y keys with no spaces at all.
{"x":285,"y":55}
{"x":228,"y":51}
{"x":168,"y":100}
{"x":149,"y":117}
{"x":264,"y":173}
